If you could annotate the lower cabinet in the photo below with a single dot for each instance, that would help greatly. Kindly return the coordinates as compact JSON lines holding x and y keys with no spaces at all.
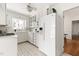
{"x":8,"y":46}
{"x":32,"y":38}
{"x":21,"y":36}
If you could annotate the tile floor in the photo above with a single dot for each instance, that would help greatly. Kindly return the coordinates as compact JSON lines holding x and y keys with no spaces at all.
{"x":27,"y":49}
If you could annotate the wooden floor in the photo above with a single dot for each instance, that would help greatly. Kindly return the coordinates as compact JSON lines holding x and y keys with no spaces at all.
{"x":27,"y":49}
{"x":72,"y":46}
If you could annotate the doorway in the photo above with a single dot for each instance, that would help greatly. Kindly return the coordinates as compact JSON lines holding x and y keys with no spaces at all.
{"x":71,"y":31}
{"x":75,"y":30}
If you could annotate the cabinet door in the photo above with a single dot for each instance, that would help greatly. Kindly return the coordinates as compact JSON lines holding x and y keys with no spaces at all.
{"x":30,"y":37}
{"x":9,"y":21}
{"x":8,"y":46}
{"x":2,"y":14}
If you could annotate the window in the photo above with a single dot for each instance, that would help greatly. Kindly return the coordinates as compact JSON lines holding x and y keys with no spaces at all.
{"x":18,"y":23}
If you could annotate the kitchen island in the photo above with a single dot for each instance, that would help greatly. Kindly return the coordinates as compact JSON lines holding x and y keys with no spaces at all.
{"x":8,"y":45}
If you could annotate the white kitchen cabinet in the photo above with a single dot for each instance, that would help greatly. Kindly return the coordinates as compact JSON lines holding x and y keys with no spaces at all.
{"x":2,"y":14}
{"x":32,"y":33}
{"x":8,"y":45}
{"x":21,"y":36}
{"x":30,"y":37}
{"x":35,"y":39}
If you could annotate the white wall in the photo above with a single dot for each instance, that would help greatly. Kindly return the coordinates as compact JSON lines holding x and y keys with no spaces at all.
{"x":75,"y":17}
{"x":68,"y":25}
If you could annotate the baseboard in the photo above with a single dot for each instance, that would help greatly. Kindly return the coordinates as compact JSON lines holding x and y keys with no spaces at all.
{"x":61,"y":54}
{"x":41,"y":50}
{"x":22,"y":42}
{"x":32,"y":44}
{"x":28,"y":42}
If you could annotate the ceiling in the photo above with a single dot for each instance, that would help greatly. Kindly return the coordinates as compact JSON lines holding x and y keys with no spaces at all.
{"x":22,"y":7}
{"x":72,"y":12}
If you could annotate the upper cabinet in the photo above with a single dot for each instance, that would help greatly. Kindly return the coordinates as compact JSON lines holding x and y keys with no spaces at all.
{"x":2,"y":14}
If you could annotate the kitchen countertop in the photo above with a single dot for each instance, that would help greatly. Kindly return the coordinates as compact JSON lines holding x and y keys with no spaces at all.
{"x":7,"y":36}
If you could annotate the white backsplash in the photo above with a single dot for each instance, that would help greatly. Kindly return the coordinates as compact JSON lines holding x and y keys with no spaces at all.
{"x":6,"y":29}
{"x":3,"y":28}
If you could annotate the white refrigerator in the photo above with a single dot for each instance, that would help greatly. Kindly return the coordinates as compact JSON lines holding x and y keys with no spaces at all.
{"x":48,"y":36}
